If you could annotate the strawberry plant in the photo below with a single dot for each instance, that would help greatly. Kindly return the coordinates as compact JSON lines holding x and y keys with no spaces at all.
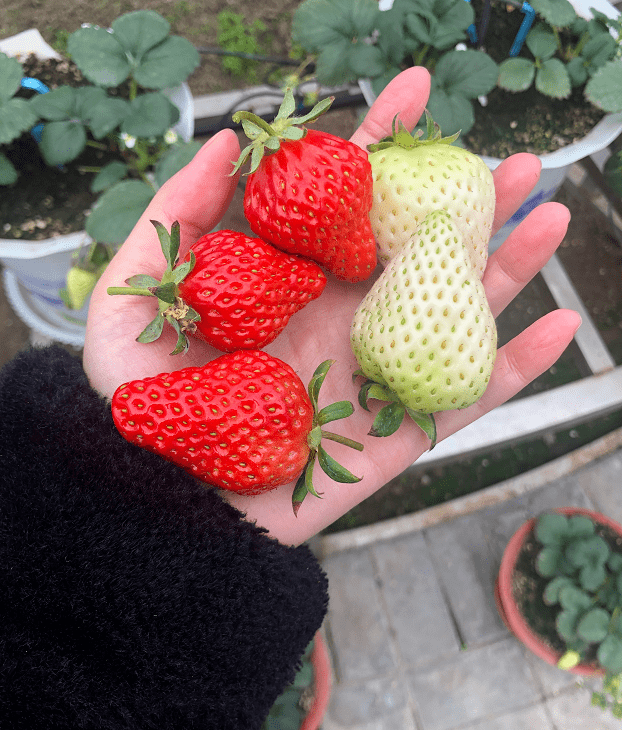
{"x":119,"y":108}
{"x":582,"y":575}
{"x":232,"y":291}
{"x":309,"y":192}
{"x":424,"y":336}
{"x":417,"y":174}
{"x":354,"y":39}
{"x":243,"y":422}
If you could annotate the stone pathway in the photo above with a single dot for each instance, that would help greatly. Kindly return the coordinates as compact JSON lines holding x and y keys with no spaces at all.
{"x":415,"y":638}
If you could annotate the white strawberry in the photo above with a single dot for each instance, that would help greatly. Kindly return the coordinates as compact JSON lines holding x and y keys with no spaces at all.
{"x":412,"y":176}
{"x":424,"y":335}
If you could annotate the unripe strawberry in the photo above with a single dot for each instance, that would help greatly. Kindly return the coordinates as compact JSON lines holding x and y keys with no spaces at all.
{"x":414,"y":176}
{"x":424,"y":335}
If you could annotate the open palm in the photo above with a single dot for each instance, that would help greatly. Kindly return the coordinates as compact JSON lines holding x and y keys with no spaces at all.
{"x":199,"y":195}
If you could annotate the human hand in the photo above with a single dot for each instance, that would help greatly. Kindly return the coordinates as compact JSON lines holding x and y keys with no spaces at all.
{"x":200,"y":194}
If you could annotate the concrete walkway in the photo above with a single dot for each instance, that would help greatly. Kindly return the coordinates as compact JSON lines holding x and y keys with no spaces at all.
{"x":415,"y":638}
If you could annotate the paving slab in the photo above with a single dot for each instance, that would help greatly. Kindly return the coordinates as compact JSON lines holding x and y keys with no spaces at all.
{"x":415,"y":638}
{"x":418,"y":613}
{"x":476,"y":684}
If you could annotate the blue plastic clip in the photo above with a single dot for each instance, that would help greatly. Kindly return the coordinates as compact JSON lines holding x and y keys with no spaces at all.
{"x":530,"y":14}
{"x":472,"y":31}
{"x":29,"y":83}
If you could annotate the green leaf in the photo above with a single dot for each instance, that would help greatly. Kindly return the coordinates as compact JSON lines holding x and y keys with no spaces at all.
{"x":182,"y":344}
{"x":610,"y":654}
{"x":142,"y":281}
{"x":553,"y":80}
{"x":317,"y":380}
{"x":174,"y":160}
{"x":541,"y":42}
{"x":105,"y":116}
{"x":117,"y":211}
{"x":593,"y":625}
{"x":152,"y":331}
{"x":516,"y":74}
{"x":365,"y":59}
{"x":57,"y":105}
{"x":139,"y":31}
{"x":180,"y":273}
{"x":604,"y":89}
{"x":558,"y":13}
{"x":16,"y":116}
{"x":426,"y":423}
{"x":8,"y":173}
{"x":589,"y":552}
{"x":388,"y":420}
{"x":11,"y":74}
{"x":566,"y":623}
{"x":319,"y":23}
{"x":109,"y":175}
{"x":62,"y":142}
{"x":149,"y":116}
{"x":598,"y":50}
{"x":574,"y":599}
{"x":99,"y":55}
{"x":466,"y":73}
{"x":88,"y":97}
{"x":548,"y":561}
{"x":169,"y":242}
{"x":553,"y":588}
{"x":577,"y":71}
{"x":168,"y":64}
{"x":452,"y":112}
{"x":166,"y":292}
{"x":334,"y":469}
{"x":330,"y":67}
{"x":335,"y":412}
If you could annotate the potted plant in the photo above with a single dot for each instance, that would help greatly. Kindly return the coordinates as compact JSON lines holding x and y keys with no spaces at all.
{"x":118,"y":119}
{"x":562,"y":54}
{"x":303,"y":704}
{"x":559,"y":590}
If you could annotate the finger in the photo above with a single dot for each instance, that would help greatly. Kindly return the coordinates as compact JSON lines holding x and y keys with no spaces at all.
{"x":406,"y":96}
{"x":518,"y":363}
{"x":197,"y":196}
{"x":514,"y":179}
{"x":526,"y":250}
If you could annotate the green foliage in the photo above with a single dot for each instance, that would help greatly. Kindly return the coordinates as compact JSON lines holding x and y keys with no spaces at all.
{"x":353,"y":39}
{"x":585,"y":584}
{"x":238,"y":37}
{"x":122,"y":111}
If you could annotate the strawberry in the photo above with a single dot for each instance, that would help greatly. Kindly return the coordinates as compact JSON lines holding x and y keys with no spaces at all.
{"x":232,"y":291}
{"x":424,"y":335}
{"x":309,"y":192}
{"x":414,"y":176}
{"x":244,"y":422}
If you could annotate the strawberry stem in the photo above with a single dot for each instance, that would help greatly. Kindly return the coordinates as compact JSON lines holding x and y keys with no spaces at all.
{"x":333,"y":412}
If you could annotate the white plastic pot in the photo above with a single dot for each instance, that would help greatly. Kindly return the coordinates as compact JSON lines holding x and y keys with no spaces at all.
{"x":35,"y":271}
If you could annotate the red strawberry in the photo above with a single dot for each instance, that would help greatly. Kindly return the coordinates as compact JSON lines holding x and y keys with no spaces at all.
{"x":232,"y":291}
{"x":243,"y":422}
{"x":309,"y":192}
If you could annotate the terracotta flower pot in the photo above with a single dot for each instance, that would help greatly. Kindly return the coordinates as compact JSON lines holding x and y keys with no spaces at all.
{"x":506,"y":603}
{"x":322,"y":685}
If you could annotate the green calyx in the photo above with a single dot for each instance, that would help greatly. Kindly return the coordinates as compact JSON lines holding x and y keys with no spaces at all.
{"x":266,"y":138}
{"x":171,"y":307}
{"x":389,"y":418}
{"x":401,"y":137}
{"x":332,"y":412}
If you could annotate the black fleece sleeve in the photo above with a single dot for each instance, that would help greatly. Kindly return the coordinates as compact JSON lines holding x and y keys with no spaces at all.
{"x":130,"y":595}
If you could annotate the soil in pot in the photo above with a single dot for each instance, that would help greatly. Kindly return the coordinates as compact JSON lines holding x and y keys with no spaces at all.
{"x":527,"y":121}
{"x":47,"y":201}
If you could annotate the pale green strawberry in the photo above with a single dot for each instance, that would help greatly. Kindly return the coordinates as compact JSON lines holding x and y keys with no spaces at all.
{"x":412,"y":176}
{"x":424,"y":335}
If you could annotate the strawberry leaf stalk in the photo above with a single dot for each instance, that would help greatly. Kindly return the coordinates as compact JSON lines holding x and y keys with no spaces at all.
{"x":332,"y":412}
{"x":171,"y":307}
{"x":390,"y":417}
